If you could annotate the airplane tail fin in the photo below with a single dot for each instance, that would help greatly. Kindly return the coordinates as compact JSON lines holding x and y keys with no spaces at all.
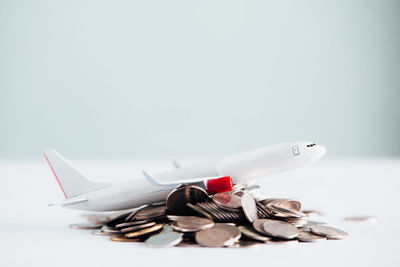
{"x":70,"y":180}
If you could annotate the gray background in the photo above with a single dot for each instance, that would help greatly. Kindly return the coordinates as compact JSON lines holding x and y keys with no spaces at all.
{"x":198,"y":78}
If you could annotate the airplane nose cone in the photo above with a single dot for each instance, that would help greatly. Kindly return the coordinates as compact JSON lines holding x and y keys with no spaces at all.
{"x":320,"y":151}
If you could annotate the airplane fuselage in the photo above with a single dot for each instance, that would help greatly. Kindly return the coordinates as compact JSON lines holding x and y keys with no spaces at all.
{"x":243,"y":168}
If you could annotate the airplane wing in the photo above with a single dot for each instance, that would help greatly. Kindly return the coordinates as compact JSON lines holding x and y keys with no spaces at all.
{"x":176,"y":164}
{"x":70,"y":202}
{"x":155,"y":181}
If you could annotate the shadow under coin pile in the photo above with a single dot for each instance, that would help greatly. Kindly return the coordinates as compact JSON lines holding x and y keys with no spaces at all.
{"x":191,"y":217}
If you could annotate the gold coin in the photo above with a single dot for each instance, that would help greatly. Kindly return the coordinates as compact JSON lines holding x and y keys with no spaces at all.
{"x":123,"y":239}
{"x":145,"y":231}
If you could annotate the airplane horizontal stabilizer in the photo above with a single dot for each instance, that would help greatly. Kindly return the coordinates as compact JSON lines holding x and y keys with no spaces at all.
{"x":70,"y":202}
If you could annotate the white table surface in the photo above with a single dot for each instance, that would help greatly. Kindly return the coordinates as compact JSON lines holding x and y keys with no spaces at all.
{"x":33,"y":234}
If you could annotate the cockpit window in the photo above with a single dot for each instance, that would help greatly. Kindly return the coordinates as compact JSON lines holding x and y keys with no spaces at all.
{"x":311,"y":145}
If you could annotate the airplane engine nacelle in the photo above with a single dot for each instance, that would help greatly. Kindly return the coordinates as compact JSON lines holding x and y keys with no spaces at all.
{"x":219,"y":185}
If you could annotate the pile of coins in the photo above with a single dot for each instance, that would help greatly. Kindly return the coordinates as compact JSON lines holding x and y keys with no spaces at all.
{"x":191,"y":217}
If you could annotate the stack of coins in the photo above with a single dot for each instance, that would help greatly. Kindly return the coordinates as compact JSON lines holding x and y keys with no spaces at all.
{"x":191,"y":217}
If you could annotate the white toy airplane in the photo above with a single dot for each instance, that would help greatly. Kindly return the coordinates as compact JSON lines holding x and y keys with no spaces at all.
{"x":217,"y":176}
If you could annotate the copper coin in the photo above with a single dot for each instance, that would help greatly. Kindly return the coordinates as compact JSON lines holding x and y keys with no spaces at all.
{"x":179,"y":197}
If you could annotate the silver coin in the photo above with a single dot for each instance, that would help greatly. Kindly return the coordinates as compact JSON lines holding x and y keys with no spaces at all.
{"x":218,"y":214}
{"x":200,"y":211}
{"x":150,"y":212}
{"x":179,"y":197}
{"x":258,"y":225}
{"x":266,"y":201}
{"x":292,"y":204}
{"x":232,"y":229}
{"x":118,"y":217}
{"x":167,"y":228}
{"x":361,"y":219}
{"x":284,"y":212}
{"x":298,"y":222}
{"x":215,"y":212}
{"x":307,"y":226}
{"x":213,"y":237}
{"x":249,"y":207}
{"x":193,"y":224}
{"x":176,"y":228}
{"x":85,"y":226}
{"x":100,"y":233}
{"x":174,"y":218}
{"x":263,"y":211}
{"x":250,"y":233}
{"x":131,"y":216}
{"x":137,"y":227}
{"x":208,"y":211}
{"x":327,"y":231}
{"x":228,"y":200}
{"x":309,"y":237}
{"x":110,"y":230}
{"x":164,"y":239}
{"x":129,"y":224}
{"x":280,"y":229}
